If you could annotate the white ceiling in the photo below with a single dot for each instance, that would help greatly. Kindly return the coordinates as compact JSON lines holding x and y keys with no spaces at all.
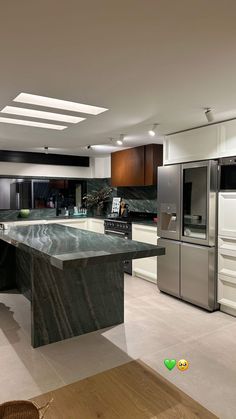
{"x":146,"y":60}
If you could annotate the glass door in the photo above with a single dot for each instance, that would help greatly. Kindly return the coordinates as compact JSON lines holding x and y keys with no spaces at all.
{"x":199,"y":201}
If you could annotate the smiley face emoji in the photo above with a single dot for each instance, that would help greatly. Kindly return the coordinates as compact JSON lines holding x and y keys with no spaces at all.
{"x":182,"y":364}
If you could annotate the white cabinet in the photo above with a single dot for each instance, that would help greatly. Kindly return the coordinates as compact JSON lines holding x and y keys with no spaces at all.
{"x":81,"y":224}
{"x":193,"y":145}
{"x":209,"y":142}
{"x":145,"y":268}
{"x":90,"y":224}
{"x":22,"y":223}
{"x":227,"y":252}
{"x":227,"y":211}
{"x":227,"y":139}
{"x":96,"y":225}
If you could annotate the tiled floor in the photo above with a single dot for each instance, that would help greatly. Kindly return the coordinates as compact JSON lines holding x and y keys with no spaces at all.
{"x":156,"y":327}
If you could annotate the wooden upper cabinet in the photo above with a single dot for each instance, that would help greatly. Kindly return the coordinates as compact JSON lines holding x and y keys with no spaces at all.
{"x":153,"y":159}
{"x":136,"y":166}
{"x":127,"y":167}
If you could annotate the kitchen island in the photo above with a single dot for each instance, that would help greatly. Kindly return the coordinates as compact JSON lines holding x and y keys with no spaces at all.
{"x":73,"y":278}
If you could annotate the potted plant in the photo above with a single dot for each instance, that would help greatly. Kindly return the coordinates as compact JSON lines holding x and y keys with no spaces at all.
{"x":96,"y":200}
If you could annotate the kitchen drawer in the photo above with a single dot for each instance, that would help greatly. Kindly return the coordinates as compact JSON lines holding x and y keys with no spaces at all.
{"x":144,"y":233}
{"x":227,"y":244}
{"x":96,"y":225}
{"x":227,"y":292}
{"x":227,"y":262}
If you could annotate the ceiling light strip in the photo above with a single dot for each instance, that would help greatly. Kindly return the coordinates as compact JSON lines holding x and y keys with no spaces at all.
{"x":58,"y":104}
{"x":31,"y":123}
{"x":32,"y":113}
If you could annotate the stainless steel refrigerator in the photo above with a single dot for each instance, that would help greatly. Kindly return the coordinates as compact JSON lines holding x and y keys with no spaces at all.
{"x":187,"y":227}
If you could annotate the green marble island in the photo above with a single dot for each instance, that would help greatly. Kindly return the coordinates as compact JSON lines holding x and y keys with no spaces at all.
{"x":73,"y":278}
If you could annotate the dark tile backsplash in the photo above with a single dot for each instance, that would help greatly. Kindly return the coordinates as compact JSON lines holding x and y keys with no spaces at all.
{"x":138,"y":192}
{"x":140,"y":199}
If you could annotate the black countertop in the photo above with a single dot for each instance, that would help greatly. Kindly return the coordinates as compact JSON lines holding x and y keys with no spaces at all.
{"x":66,"y":247}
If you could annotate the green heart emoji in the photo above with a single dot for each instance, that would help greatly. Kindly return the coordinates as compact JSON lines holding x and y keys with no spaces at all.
{"x":170,"y":363}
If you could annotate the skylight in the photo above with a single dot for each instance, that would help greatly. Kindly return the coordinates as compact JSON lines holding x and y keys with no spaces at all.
{"x":33,"y":113}
{"x":58,"y":104}
{"x":31,"y":123}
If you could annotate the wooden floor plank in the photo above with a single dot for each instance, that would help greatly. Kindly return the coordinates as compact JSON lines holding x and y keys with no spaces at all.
{"x":130,"y":391}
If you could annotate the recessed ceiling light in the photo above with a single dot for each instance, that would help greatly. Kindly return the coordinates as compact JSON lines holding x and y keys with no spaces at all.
{"x":31,"y":123}
{"x":13,"y":110}
{"x":58,"y":104}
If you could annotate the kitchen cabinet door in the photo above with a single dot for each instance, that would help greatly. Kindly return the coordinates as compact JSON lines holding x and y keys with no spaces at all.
{"x":153,"y":159}
{"x":96,"y":225}
{"x":145,"y":268}
{"x":136,"y":166}
{"x":193,"y":145}
{"x":227,"y":139}
{"x":127,"y":167}
{"x":227,"y":211}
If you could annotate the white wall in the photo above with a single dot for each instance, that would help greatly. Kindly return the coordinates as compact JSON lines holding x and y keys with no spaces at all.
{"x":102,"y":167}
{"x":99,"y":168}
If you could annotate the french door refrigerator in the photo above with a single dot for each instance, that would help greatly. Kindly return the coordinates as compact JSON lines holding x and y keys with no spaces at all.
{"x":187,"y":228}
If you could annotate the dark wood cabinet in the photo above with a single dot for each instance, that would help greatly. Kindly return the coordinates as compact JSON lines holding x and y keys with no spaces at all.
{"x":136,"y":166}
{"x":127,"y":167}
{"x":153,"y":159}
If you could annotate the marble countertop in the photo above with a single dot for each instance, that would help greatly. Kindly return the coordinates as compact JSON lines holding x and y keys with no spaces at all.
{"x":65,"y":247}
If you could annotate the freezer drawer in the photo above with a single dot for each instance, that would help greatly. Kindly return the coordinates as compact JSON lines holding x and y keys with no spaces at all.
{"x":198,"y":275}
{"x":168,"y":268}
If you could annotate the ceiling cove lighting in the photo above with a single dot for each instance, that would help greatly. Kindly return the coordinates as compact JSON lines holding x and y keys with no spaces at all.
{"x":32,"y":123}
{"x":152,"y":132}
{"x":58,"y":104}
{"x":13,"y":110}
{"x":121,"y":139}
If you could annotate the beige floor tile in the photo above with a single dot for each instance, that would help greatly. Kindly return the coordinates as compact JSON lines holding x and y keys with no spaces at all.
{"x":24,"y":372}
{"x":208,"y":380}
{"x":83,"y":356}
{"x":156,"y":326}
